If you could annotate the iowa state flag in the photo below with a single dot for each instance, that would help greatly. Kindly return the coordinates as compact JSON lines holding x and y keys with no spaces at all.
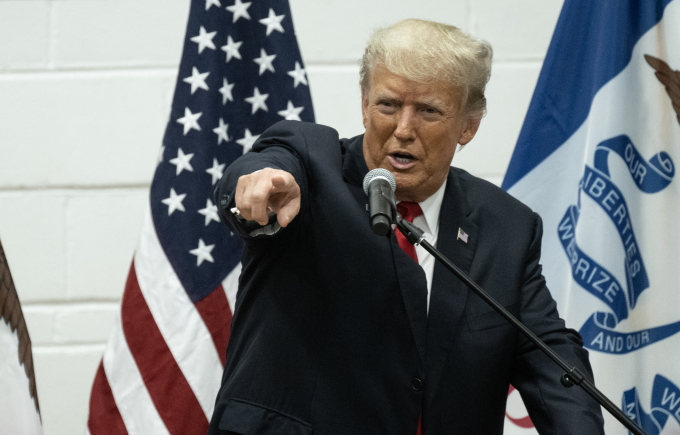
{"x":596,"y":159}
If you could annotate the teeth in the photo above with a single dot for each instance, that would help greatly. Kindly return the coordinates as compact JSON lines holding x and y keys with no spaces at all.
{"x":402,"y":159}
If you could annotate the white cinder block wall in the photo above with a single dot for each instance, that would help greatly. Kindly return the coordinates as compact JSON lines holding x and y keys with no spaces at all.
{"x":85,"y":92}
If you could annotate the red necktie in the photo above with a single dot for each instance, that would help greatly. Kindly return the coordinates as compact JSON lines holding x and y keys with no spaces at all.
{"x":409,"y":211}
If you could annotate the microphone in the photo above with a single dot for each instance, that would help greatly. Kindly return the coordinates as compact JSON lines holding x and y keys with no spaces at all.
{"x":379,"y":185}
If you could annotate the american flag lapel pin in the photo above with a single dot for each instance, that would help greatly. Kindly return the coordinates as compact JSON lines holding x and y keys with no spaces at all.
{"x":462,"y":235}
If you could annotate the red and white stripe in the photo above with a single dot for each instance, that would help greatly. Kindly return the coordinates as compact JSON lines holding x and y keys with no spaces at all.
{"x":162,"y":367}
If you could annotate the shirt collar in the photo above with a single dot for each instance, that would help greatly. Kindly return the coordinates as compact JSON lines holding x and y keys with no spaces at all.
{"x":431,"y":208}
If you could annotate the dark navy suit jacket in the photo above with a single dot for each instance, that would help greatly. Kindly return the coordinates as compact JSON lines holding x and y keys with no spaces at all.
{"x":331,"y":333}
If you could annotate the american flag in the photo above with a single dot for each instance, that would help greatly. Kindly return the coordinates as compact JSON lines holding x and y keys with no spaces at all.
{"x":241,"y":71}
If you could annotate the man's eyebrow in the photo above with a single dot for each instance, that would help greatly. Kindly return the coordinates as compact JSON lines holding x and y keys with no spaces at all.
{"x":432,"y":102}
{"x":386,"y":97}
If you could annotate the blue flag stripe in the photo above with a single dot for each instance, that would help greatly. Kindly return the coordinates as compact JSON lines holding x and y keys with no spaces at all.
{"x":577,"y":65}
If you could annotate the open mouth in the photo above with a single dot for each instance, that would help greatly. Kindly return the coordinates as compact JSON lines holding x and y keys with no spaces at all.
{"x":403,"y":157}
{"x":402,"y":161}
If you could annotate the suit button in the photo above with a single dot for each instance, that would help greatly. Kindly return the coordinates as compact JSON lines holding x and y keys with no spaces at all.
{"x":416,"y":384}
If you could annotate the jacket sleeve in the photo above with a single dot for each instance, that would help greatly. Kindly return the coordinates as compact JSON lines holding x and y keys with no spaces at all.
{"x":553,"y":408}
{"x":281,"y":146}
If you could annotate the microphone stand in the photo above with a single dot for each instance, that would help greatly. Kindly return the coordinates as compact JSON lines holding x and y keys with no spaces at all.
{"x":572,"y":376}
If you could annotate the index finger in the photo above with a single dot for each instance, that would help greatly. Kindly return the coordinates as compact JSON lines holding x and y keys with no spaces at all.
{"x":283,"y":183}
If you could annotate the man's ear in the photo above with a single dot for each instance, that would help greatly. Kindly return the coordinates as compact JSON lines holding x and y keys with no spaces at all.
{"x":364,"y":106}
{"x":471,"y":127}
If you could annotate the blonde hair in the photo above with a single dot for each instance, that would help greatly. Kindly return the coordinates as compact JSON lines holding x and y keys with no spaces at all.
{"x":428,"y":52}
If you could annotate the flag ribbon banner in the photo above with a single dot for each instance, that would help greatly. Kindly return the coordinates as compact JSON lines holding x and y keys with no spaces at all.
{"x":241,"y":71}
{"x":665,"y":403}
{"x":650,"y":177}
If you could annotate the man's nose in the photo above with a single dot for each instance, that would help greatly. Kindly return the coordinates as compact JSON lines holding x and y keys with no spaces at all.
{"x":405,"y":130}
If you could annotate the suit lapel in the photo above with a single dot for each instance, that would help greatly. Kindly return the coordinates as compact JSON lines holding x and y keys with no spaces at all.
{"x":411,"y":278}
{"x":448,"y":293}
{"x":413,"y":286}
{"x":433,"y":333}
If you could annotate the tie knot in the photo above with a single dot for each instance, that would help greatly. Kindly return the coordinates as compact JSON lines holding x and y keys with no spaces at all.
{"x":409,"y":210}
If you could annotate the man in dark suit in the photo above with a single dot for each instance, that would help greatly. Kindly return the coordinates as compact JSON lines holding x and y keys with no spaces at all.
{"x":340,"y":331}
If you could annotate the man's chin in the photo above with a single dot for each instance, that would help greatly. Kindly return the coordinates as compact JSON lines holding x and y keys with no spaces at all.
{"x":407,"y":190}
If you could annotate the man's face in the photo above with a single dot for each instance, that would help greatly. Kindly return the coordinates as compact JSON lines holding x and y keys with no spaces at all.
{"x":412,"y":130}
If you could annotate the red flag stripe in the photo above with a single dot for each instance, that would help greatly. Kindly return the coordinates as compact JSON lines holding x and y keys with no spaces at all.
{"x":215,"y":312}
{"x":189,"y":340}
{"x":104,"y":415}
{"x":171,"y":394}
{"x":129,"y":391}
